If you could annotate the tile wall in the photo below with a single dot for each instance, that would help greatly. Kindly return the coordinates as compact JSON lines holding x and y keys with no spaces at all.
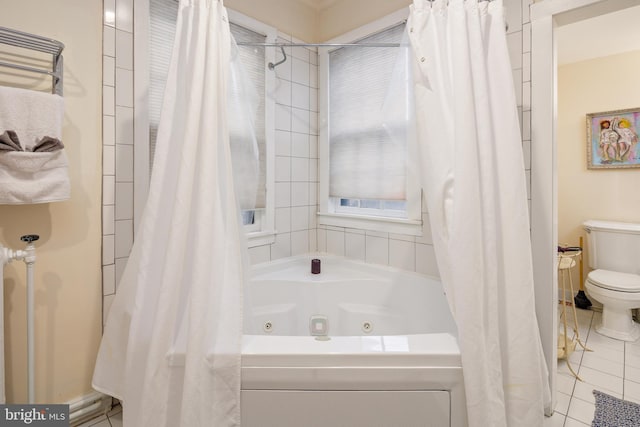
{"x":296,"y":155}
{"x":117,"y":140}
{"x":296,"y":150}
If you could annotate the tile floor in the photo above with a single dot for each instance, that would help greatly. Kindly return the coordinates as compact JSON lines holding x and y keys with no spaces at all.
{"x":613,"y":367}
{"x":111,"y":419}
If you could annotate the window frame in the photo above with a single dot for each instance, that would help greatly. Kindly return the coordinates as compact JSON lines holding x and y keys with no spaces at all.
{"x":329,"y":212}
{"x":263,"y":232}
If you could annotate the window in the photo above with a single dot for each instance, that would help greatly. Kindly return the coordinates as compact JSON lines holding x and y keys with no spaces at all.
{"x":366,"y":108}
{"x":258,"y":221}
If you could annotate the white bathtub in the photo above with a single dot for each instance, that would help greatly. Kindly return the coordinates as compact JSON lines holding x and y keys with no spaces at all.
{"x":390,"y":357}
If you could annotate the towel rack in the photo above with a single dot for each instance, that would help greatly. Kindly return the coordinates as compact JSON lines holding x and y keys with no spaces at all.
{"x":29,"y":41}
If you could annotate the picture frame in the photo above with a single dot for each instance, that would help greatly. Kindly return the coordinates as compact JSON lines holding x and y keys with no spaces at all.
{"x":612,"y":139}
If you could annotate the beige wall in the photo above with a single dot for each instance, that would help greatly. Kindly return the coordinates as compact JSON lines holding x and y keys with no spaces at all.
{"x":68,"y":276}
{"x":288,"y":16}
{"x":602,"y":84}
{"x":346,"y":15}
{"x":305,"y":23}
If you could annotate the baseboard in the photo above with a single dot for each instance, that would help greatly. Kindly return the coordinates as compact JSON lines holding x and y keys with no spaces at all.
{"x":88,"y":407}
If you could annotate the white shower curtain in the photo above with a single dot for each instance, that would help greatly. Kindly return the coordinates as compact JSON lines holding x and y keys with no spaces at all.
{"x":473,"y":177}
{"x":171,"y":347}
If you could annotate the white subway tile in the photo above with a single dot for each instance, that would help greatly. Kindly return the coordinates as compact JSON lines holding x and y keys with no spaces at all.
{"x":283,"y":169}
{"x":108,"y":130}
{"x":513,"y":15}
{"x":313,"y":193}
{"x":283,"y":143}
{"x":426,"y":260}
{"x":109,"y":160}
{"x":514,"y":43}
{"x":283,"y":195}
{"x":300,"y":96}
{"x":526,"y":96}
{"x":283,"y":220}
{"x":526,"y":153}
{"x":283,"y":71}
{"x":355,"y":246}
{"x":526,"y":67}
{"x":299,"y":144}
{"x":283,"y":117}
{"x":124,"y":125}
{"x":313,"y":76}
{"x":313,"y":124}
{"x":124,"y":87}
{"x":313,"y":216}
{"x":121,"y":263}
{"x":299,"y":218}
{"x":313,"y":100}
{"x":300,"y":52}
{"x":300,"y":242}
{"x":299,"y":194}
{"x":426,"y":237}
{"x":377,"y":250}
{"x":313,"y":58}
{"x":526,"y":125}
{"x":108,"y":249}
{"x":283,"y":92}
{"x":281,"y":248}
{"x":108,"y":190}
{"x":402,"y":254}
{"x":299,"y":169}
{"x":313,"y":170}
{"x":108,"y":71}
{"x":124,"y":238}
{"x":300,"y":120}
{"x":526,"y":13}
{"x":300,"y":71}
{"x":108,"y":279}
{"x":322,"y":239}
{"x":313,"y":146}
{"x":517,"y":85}
{"x":124,"y":50}
{"x":109,"y":41}
{"x":108,"y":220}
{"x":313,"y":240}
{"x":124,"y":15}
{"x":109,"y":7}
{"x":108,"y":100}
{"x":526,"y":38}
{"x":260,"y":254}
{"x":124,"y":164}
{"x":124,"y":200}
{"x":335,"y":242}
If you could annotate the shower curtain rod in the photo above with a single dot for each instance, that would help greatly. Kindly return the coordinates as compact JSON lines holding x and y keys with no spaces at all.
{"x":321,"y":44}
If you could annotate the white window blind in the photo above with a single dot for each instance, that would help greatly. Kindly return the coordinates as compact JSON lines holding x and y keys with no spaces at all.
{"x":163,"y":17}
{"x":367,"y":156}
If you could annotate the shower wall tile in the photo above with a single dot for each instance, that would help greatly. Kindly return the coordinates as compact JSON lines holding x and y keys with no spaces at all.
{"x":108,"y":220}
{"x":513,"y":15}
{"x":108,"y":190}
{"x":299,"y":194}
{"x":377,"y":250}
{"x":121,"y":263}
{"x":427,"y":257}
{"x":110,"y":12}
{"x":109,"y":279}
{"x":259,"y":254}
{"x":299,"y":218}
{"x":300,"y":120}
{"x":124,"y":125}
{"x":313,"y":240}
{"x":283,"y":169}
{"x":108,"y":101}
{"x":124,"y":87}
{"x":299,"y":169}
{"x":109,"y":41}
{"x":124,"y":15}
{"x":283,"y":195}
{"x":526,"y":96}
{"x":283,"y":92}
{"x":283,"y":143}
{"x":514,"y":43}
{"x":402,"y":254}
{"x":108,"y":249}
{"x":124,"y":164}
{"x":108,"y":130}
{"x":124,"y":50}
{"x":355,"y":246}
{"x":526,"y":67}
{"x":283,"y":117}
{"x":322,"y":239}
{"x":300,"y":96}
{"x":123,"y":238}
{"x":108,"y":71}
{"x":283,"y":220}
{"x":300,"y":69}
{"x":336,"y":242}
{"x":299,"y":242}
{"x":281,"y":248}
{"x":300,"y":144}
{"x":106,"y":306}
{"x":124,"y":200}
{"x":109,"y":160}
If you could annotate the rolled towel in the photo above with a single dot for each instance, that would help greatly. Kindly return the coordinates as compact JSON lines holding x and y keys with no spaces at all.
{"x":48,"y":144}
{"x":9,"y":141}
{"x":31,"y":114}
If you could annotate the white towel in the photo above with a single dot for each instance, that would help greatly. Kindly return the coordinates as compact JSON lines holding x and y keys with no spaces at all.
{"x":40,"y":177}
{"x":27,"y":177}
{"x":31,"y":114}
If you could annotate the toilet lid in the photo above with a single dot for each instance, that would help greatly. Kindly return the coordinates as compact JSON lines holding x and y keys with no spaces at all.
{"x":615,"y":281}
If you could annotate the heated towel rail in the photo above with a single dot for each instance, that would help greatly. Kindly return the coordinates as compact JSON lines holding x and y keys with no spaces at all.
{"x":29,"y":41}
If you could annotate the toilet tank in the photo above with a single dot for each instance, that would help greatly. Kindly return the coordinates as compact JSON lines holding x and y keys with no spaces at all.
{"x":613,"y":246}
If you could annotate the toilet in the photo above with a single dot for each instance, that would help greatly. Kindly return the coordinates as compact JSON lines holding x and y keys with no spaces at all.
{"x":614,"y":254}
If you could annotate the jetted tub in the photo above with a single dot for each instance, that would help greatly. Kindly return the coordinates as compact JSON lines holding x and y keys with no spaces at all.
{"x":385,"y":351}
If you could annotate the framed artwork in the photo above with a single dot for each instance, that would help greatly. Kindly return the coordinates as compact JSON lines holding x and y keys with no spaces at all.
{"x":612,"y":139}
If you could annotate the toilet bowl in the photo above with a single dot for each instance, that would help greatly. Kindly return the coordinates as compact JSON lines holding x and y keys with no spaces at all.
{"x":614,"y":254}
{"x":618,"y":293}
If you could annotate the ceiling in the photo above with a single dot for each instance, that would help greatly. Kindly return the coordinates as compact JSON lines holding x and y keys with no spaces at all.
{"x":604,"y":35}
